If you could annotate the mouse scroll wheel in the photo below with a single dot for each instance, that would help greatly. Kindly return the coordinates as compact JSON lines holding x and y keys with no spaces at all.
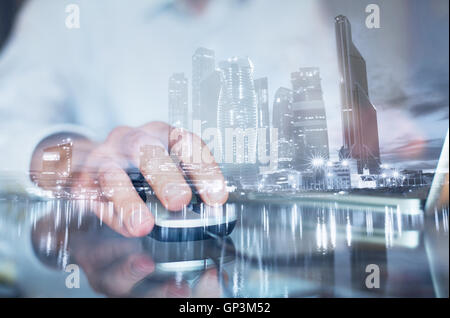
{"x":196,"y":203}
{"x":195,"y":207}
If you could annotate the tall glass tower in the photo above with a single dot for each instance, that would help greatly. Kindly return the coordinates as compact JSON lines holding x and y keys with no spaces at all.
{"x":262,"y":96}
{"x":282,"y":120}
{"x":178,"y":101}
{"x":359,"y":116}
{"x":203,"y":64}
{"x":309,"y":129}
{"x":237,"y":116}
{"x":209,"y":99}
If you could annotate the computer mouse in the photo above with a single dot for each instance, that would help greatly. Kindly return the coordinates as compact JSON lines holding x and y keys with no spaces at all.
{"x":196,"y":221}
{"x":191,"y":224}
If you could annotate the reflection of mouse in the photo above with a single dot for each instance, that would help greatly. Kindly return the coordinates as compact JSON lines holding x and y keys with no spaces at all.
{"x":186,"y":269}
{"x":170,"y":257}
{"x":197,"y":221}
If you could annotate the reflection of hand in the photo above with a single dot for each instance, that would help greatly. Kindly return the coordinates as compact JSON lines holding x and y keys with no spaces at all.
{"x":102,"y":167}
{"x":207,"y":286}
{"x":114,"y":265}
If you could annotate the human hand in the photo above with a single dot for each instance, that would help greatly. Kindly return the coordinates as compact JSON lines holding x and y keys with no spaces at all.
{"x":102,"y":167}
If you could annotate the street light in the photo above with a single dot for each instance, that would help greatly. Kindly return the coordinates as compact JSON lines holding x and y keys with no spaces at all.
{"x":317,"y":162}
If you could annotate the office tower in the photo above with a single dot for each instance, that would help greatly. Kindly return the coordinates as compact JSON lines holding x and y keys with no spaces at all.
{"x":282,"y":120}
{"x":282,"y":112}
{"x":203,"y":64}
{"x":206,"y":123}
{"x":359,"y":116}
{"x":238,"y":108}
{"x":178,"y":101}
{"x":306,"y":84}
{"x":209,"y":99}
{"x":262,"y":98}
{"x":309,"y":131}
{"x":237,"y":119}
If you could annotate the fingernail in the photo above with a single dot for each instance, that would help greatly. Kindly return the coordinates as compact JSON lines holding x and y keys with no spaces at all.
{"x":173,"y":193}
{"x":216,"y":195}
{"x":139,"y":218}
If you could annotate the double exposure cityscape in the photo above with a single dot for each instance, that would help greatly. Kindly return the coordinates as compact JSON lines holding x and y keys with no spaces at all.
{"x":288,"y":150}
{"x":249,"y":149}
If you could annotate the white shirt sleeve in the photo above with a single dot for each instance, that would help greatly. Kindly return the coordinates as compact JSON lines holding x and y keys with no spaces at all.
{"x":34,"y":93}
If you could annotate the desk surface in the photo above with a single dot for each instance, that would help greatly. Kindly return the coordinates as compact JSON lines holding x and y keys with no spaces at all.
{"x":292,"y":249}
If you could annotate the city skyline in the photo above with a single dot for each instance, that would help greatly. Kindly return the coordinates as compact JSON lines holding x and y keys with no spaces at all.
{"x":241,"y":102}
{"x":229,"y":95}
{"x":221,"y":86}
{"x":386,"y":154}
{"x":409,"y":91}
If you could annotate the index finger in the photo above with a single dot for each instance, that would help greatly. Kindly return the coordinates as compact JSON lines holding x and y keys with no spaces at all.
{"x":199,"y":164}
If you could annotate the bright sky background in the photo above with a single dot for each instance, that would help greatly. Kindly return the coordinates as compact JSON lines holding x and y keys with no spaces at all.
{"x":407,"y":63}
{"x":119,"y":62}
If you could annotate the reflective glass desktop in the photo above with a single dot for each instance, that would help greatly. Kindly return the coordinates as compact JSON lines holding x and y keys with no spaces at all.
{"x":277,"y":249}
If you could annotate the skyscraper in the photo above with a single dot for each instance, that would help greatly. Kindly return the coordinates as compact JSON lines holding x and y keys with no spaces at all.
{"x":309,"y":124}
{"x":178,"y":100}
{"x":262,"y":98}
{"x":237,"y":119}
{"x":209,"y":99}
{"x":359,"y":116}
{"x":282,"y":120}
{"x":203,"y":64}
{"x":282,"y":112}
{"x":205,"y":123}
